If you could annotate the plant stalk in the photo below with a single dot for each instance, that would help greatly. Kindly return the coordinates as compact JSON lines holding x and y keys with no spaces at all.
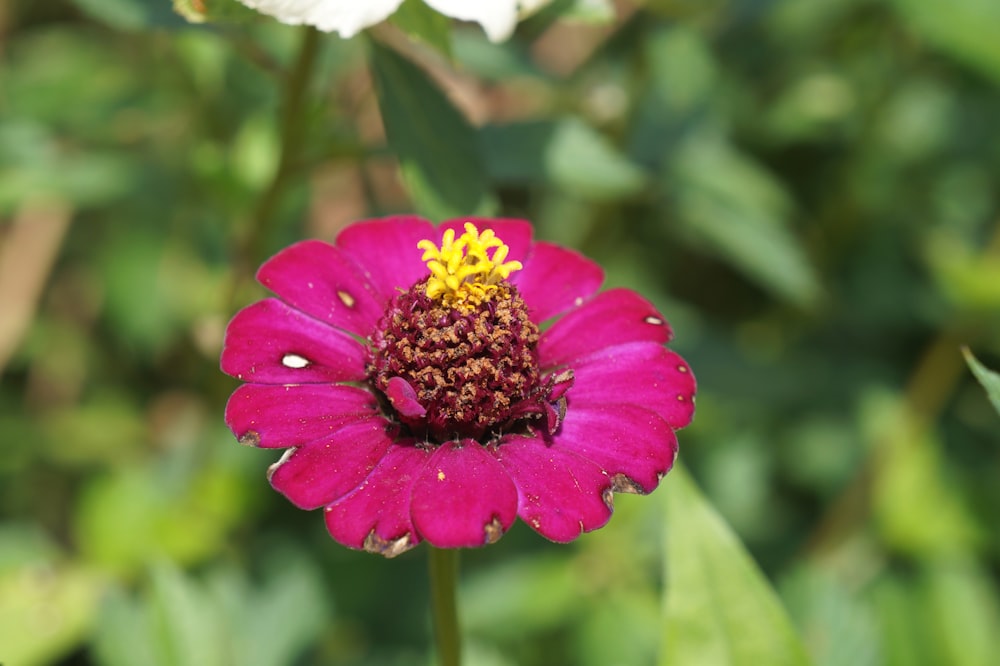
{"x":444,"y":578}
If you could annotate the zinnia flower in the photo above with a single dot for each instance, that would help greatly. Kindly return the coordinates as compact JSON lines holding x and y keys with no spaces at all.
{"x":349,"y":17}
{"x":437,"y":397}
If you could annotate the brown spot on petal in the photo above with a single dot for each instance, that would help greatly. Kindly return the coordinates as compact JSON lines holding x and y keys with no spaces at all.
{"x":493,"y":530}
{"x":622,"y":484}
{"x":609,"y":499}
{"x":250,"y":438}
{"x":388,"y":548}
{"x":346,"y":299}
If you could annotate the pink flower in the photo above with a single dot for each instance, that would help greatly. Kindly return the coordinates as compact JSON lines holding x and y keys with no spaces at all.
{"x":421,"y":398}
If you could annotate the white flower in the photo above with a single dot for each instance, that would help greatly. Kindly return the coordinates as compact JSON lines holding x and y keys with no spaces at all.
{"x":349,"y":17}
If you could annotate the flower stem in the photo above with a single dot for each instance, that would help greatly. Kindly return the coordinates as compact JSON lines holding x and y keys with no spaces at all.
{"x":444,"y":576}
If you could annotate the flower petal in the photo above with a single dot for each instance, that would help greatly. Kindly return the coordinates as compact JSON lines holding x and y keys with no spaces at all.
{"x":345,"y":18}
{"x":463,"y":497}
{"x":386,"y":251}
{"x":403,"y":398}
{"x":271,"y":343}
{"x":323,"y":471}
{"x":516,"y":234}
{"x":634,"y":446}
{"x":560,"y":495}
{"x":555,"y":279}
{"x":637,"y":373}
{"x":282,"y":416}
{"x":376,"y":515}
{"x":612,"y":317}
{"x":498,"y":17}
{"x":318,"y":279}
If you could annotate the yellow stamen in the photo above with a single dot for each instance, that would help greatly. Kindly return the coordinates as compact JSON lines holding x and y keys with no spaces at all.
{"x":462,"y":273}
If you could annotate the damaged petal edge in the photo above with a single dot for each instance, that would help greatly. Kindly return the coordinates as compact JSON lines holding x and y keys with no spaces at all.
{"x":250,"y":438}
{"x":609,"y":501}
{"x":388,"y":548}
{"x":493,"y":530}
{"x":281,"y":461}
{"x":620,"y":483}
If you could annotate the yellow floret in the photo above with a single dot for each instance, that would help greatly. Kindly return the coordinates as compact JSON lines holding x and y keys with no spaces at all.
{"x":462,"y":273}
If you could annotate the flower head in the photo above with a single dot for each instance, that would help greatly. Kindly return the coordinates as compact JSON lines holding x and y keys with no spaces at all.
{"x":349,"y":17}
{"x":419,"y":399}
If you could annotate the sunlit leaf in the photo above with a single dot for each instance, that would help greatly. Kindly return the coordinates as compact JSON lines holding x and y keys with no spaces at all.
{"x":962,"y":612}
{"x":918,"y":507}
{"x":719,"y":607}
{"x":434,"y":143}
{"x":966,"y":29}
{"x":420,"y":22}
{"x":46,"y":605}
{"x":988,"y":378}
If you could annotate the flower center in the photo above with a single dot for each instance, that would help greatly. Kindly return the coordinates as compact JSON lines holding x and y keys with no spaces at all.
{"x":455,"y":355}
{"x":462,"y":275}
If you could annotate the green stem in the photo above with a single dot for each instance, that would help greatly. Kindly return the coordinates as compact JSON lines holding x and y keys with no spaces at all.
{"x":444,"y":576}
{"x":292,"y":135}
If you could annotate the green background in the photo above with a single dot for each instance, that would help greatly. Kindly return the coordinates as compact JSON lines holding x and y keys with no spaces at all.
{"x":808,"y":190}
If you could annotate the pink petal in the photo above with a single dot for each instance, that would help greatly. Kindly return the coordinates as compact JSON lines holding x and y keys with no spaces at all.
{"x":560,"y":495}
{"x":403,"y":398}
{"x":610,"y":318}
{"x":555,"y":279}
{"x":271,"y":343}
{"x":638,"y":373}
{"x":316,"y":278}
{"x":376,"y":515}
{"x":634,"y":446}
{"x":282,"y":416}
{"x":515,"y":233}
{"x":463,"y":497}
{"x":323,"y":471}
{"x":386,"y":251}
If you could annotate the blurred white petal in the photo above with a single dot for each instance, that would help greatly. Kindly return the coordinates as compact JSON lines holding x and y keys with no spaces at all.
{"x":340,"y":16}
{"x":498,"y":17}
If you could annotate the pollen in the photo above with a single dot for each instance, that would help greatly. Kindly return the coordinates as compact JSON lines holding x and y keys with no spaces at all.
{"x":466,"y":271}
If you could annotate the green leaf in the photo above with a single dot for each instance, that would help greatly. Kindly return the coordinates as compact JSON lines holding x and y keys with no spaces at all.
{"x":179,"y":620}
{"x":33,"y":165}
{"x":185,"y":628}
{"x":272,"y":622}
{"x":965,"y":29}
{"x":215,"y":11}
{"x":959,"y":600}
{"x":735,"y":209}
{"x":46,"y":606}
{"x":919,"y":508}
{"x":719,"y":607}
{"x":988,"y":378}
{"x":420,"y":22}
{"x":566,"y":153}
{"x":131,"y":14}
{"x":435,"y":145}
{"x":839,"y":625}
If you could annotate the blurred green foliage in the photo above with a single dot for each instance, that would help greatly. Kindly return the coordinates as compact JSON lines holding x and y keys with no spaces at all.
{"x":808,"y":190}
